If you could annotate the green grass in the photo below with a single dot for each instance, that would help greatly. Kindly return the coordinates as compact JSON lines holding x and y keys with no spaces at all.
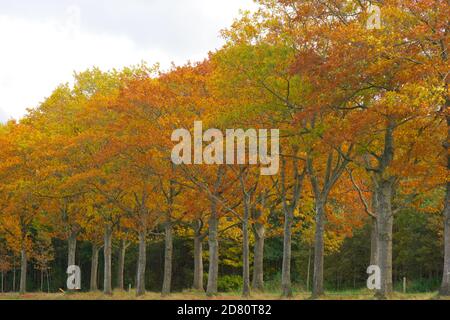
{"x":191,"y":295}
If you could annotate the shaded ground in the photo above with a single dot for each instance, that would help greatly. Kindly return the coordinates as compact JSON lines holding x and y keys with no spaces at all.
{"x":350,"y":295}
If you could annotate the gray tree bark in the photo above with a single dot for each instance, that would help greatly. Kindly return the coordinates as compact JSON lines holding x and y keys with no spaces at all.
{"x":168,"y":256}
{"x":107,"y":250}
{"x":246,"y":249}
{"x":289,"y":207}
{"x":198,"y":257}
{"x":384,"y":226}
{"x":286,"y":289}
{"x":142,"y":259}
{"x":198,"y":263}
{"x":374,"y":231}
{"x":319,"y":250}
{"x":384,"y":189}
{"x":213,"y":242}
{"x":445,"y":286}
{"x":258,"y":256}
{"x":72,"y":248}
{"x":373,"y":243}
{"x":14,"y":274}
{"x":213,"y":236}
{"x":333,"y":171}
{"x":121,"y":264}
{"x":94,"y":268}
{"x":23,"y":269}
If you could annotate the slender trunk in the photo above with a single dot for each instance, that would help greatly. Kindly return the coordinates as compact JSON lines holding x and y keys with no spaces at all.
{"x":168,"y":253}
{"x":140,"y":287}
{"x":245,"y":251}
{"x":319,"y":250}
{"x":14,"y":275}
{"x":384,"y":227}
{"x":121,"y":264}
{"x":445,"y":287}
{"x":3,"y":276}
{"x":94,"y":268}
{"x":72,"y":248}
{"x":258,"y":259}
{"x":48,"y":282}
{"x":107,"y":287}
{"x":373,"y":243}
{"x":198,"y":262}
{"x":308,"y":272}
{"x":23,"y":270}
{"x":213,"y":243}
{"x":42,"y":280}
{"x":286,"y":289}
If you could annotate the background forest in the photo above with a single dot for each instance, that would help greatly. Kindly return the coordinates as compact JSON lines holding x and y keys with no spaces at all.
{"x":86,"y":177}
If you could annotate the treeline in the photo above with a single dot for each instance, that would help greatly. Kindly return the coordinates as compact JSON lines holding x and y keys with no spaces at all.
{"x":417,"y":255}
{"x":363,"y":118}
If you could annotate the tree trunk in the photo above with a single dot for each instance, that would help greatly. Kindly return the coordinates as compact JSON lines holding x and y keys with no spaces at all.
{"x":245,"y":251}
{"x":168,"y":252}
{"x":3,"y":277}
{"x":94,"y":268}
{"x":213,"y":243}
{"x":384,"y":226}
{"x":48,"y":282}
{"x":71,"y":248}
{"x":140,"y":286}
{"x":14,"y":274}
{"x":258,"y":259}
{"x":107,"y":283}
{"x":23,"y":270}
{"x":286,"y":289}
{"x":198,"y":263}
{"x":445,"y":287}
{"x":308,"y":271}
{"x":373,"y":243}
{"x":121,"y":264}
{"x":318,"y":250}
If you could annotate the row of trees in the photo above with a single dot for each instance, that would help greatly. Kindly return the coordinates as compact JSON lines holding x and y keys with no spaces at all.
{"x":363,"y":118}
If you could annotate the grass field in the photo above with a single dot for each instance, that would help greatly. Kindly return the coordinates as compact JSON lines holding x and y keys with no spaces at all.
{"x":348,"y":295}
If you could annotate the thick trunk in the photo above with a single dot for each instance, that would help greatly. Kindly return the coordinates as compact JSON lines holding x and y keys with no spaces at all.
{"x":445,"y":287}
{"x":213,"y":242}
{"x":140,"y":287}
{"x":72,"y":248}
{"x":245,"y":253}
{"x":168,"y":252}
{"x":373,"y":243}
{"x":319,"y":250}
{"x":198,"y":263}
{"x":107,"y":249}
{"x":286,"y":290}
{"x":385,"y":224}
{"x":121,"y":264}
{"x":94,"y":268}
{"x":23,"y":270}
{"x":258,"y":259}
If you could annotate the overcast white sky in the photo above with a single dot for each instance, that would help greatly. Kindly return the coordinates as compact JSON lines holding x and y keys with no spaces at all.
{"x":43,"y":42}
